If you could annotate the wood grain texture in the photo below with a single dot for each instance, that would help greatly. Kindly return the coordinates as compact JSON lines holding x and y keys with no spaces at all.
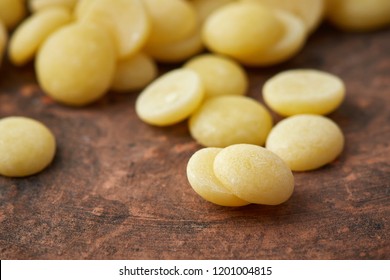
{"x":117,"y":188}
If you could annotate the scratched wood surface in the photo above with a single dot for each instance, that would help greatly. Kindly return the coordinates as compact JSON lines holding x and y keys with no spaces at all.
{"x":117,"y":188}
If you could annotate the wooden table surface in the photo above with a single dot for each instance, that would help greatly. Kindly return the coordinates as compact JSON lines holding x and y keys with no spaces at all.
{"x":117,"y":188}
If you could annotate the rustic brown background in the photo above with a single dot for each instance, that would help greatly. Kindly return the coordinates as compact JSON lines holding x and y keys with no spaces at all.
{"x":117,"y":188}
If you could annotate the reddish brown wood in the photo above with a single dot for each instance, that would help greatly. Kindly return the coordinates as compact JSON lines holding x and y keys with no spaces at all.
{"x":117,"y":188}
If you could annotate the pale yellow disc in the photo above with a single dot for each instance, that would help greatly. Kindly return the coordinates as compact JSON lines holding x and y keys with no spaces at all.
{"x":134,"y":73}
{"x":306,"y":142}
{"x":171,"y":98}
{"x":126,"y":20}
{"x":220,"y":75}
{"x":200,"y":174}
{"x":310,"y":11}
{"x":76,"y":64}
{"x":241,"y":29}
{"x":12,"y":12}
{"x":81,"y":8}
{"x":304,"y":91}
{"x":172,"y":20}
{"x":26,"y":146}
{"x":230,"y":119}
{"x":205,"y":8}
{"x":291,"y":43}
{"x":254,"y":174}
{"x":359,"y":15}
{"x":33,"y":31}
